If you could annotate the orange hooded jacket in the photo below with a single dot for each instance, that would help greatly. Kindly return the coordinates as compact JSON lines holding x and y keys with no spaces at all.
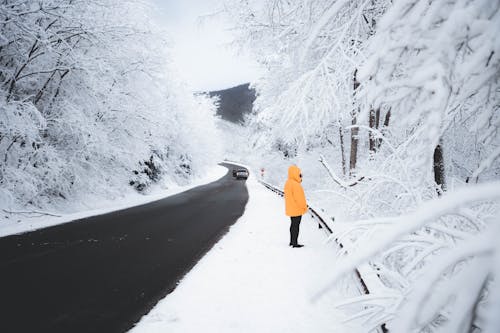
{"x":295,"y":200}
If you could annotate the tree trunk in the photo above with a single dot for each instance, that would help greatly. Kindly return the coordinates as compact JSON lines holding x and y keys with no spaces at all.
{"x":58,"y":89}
{"x":342,"y":149}
{"x":44,"y":87}
{"x":354,"y":131}
{"x":387,"y":118}
{"x":386,"y":124}
{"x":354,"y":146}
{"x":19,"y":70}
{"x":356,"y":83}
{"x":438,"y":164}
{"x":371,"y":136}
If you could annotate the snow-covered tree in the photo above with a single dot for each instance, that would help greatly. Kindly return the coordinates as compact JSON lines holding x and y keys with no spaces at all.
{"x":312,"y":50}
{"x":416,"y":83}
{"x":89,"y":104}
{"x":435,"y":65}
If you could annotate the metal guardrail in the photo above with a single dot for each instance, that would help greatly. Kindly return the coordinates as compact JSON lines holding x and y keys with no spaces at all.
{"x":323,"y":223}
{"x":312,"y":211}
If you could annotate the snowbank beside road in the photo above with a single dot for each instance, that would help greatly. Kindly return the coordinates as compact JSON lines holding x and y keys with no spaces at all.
{"x":20,"y":222}
{"x":252,"y":281}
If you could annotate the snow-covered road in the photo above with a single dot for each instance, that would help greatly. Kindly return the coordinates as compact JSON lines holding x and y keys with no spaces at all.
{"x":252,"y":281}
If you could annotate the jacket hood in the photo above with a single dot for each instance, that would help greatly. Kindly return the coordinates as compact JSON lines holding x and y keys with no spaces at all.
{"x":294,"y":173}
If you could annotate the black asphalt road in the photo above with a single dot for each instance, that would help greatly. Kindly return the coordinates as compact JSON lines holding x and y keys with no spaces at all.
{"x":101,"y":274}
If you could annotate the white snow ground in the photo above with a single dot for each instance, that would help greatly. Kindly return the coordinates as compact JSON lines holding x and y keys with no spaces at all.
{"x":252,"y":281}
{"x":23,"y":222}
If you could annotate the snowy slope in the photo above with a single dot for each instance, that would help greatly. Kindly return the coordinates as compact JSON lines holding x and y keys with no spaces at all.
{"x":252,"y":281}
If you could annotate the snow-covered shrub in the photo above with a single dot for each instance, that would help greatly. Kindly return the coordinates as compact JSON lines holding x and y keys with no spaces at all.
{"x":90,"y":104}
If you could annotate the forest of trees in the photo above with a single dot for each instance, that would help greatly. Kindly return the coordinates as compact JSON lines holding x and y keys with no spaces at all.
{"x":89,"y":107}
{"x":399,"y":102}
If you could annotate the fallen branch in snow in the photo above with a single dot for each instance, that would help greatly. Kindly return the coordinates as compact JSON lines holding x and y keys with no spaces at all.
{"x":27,"y":213}
{"x":336,"y":178}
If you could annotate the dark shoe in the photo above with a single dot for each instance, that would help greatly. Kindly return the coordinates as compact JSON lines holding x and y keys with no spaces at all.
{"x":297,"y":245}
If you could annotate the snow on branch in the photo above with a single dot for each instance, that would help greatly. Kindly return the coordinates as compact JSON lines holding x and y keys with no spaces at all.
{"x":405,"y":224}
{"x":486,"y":163}
{"x":34,"y":213}
{"x":327,"y":17}
{"x":336,"y":178}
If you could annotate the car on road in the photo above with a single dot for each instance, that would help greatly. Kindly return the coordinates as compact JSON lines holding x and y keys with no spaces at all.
{"x":241,"y":174}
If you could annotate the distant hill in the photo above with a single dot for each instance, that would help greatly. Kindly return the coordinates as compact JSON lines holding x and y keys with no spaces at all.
{"x":235,"y":102}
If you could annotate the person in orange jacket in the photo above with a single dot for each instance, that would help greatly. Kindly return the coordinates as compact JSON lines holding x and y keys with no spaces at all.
{"x":295,"y":203}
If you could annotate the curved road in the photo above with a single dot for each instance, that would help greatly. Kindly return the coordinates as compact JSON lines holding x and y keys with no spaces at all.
{"x":101,"y":274}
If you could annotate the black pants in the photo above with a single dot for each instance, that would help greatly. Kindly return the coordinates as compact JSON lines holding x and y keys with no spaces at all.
{"x":294,"y":229}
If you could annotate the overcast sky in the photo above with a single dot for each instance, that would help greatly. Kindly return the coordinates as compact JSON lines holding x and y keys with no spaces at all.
{"x":201,"y":52}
